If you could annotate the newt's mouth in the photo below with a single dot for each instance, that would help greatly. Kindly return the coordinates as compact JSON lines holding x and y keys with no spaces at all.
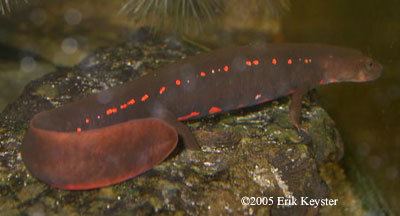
{"x":372,"y":70}
{"x":362,"y":77}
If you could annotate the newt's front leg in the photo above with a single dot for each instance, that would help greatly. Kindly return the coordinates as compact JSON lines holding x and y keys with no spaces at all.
{"x":295,"y":114}
{"x":295,"y":108}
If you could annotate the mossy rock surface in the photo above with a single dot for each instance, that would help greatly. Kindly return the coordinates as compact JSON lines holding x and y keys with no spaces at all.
{"x":252,"y":152}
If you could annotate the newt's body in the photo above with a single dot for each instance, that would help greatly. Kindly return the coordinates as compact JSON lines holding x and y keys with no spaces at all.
{"x":121,"y":132}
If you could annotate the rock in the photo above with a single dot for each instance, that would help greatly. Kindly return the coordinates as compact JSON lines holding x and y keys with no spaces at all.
{"x":254,"y":152}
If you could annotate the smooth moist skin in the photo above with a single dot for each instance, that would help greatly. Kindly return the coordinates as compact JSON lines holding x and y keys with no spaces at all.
{"x":119,"y":133}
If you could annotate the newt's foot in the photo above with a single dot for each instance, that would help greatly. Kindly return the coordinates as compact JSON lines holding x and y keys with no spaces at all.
{"x":306,"y":138}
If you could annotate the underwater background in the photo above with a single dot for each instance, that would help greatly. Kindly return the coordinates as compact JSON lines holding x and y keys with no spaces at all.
{"x":42,"y":36}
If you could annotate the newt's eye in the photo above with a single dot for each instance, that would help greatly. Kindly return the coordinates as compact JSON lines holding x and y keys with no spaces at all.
{"x":369,"y":65}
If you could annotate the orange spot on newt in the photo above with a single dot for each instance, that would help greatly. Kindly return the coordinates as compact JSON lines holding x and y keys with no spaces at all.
{"x":87,"y":120}
{"x":124,"y":106}
{"x":78,"y":130}
{"x":145,"y":97}
{"x":131,"y":102}
{"x":289,"y":61}
{"x":248,"y":63}
{"x":274,"y":61}
{"x":178,"y":82}
{"x":213,"y":110}
{"x":203,"y":74}
{"x":111,"y":111}
{"x":186,"y":117}
{"x":162,"y":89}
{"x":256,"y":62}
{"x":226,"y":68}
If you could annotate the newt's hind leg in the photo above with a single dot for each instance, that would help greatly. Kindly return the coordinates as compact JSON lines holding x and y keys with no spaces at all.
{"x":185,"y":134}
{"x":183,"y":130}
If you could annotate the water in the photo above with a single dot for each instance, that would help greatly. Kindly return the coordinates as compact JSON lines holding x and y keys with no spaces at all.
{"x":367,"y":115}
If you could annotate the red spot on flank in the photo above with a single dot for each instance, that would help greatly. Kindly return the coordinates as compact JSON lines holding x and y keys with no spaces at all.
{"x":321,"y":82}
{"x":178,"y":82}
{"x":306,"y":61}
{"x":131,"y":102}
{"x":256,"y":62}
{"x":145,"y":97}
{"x":226,"y":68}
{"x":213,"y":110}
{"x":111,"y":111}
{"x":274,"y":61}
{"x":78,"y":130}
{"x":87,"y":120}
{"x":258,"y":96}
{"x":203,"y":74}
{"x":124,"y":106}
{"x":289,"y":61}
{"x":248,"y":63}
{"x":98,"y":117}
{"x":186,"y":117}
{"x":162,"y":89}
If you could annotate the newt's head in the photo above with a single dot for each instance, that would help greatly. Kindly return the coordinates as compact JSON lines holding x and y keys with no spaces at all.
{"x":348,"y":65}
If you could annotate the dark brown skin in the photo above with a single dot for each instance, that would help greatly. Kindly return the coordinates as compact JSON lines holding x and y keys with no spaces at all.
{"x":117,"y":134}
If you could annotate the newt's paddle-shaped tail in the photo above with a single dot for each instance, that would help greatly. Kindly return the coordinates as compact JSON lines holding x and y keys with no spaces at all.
{"x":99,"y":157}
{"x":121,"y":132}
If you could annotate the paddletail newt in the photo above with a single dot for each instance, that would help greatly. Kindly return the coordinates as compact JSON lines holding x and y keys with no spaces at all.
{"x":121,"y":132}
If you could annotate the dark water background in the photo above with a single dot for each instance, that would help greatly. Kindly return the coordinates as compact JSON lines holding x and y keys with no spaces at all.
{"x":366,"y":114}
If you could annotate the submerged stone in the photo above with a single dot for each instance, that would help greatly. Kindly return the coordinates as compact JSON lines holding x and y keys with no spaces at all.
{"x":254,"y":152}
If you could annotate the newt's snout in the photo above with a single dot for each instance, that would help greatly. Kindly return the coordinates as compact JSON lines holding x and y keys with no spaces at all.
{"x":348,"y":65}
{"x":369,"y":70}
